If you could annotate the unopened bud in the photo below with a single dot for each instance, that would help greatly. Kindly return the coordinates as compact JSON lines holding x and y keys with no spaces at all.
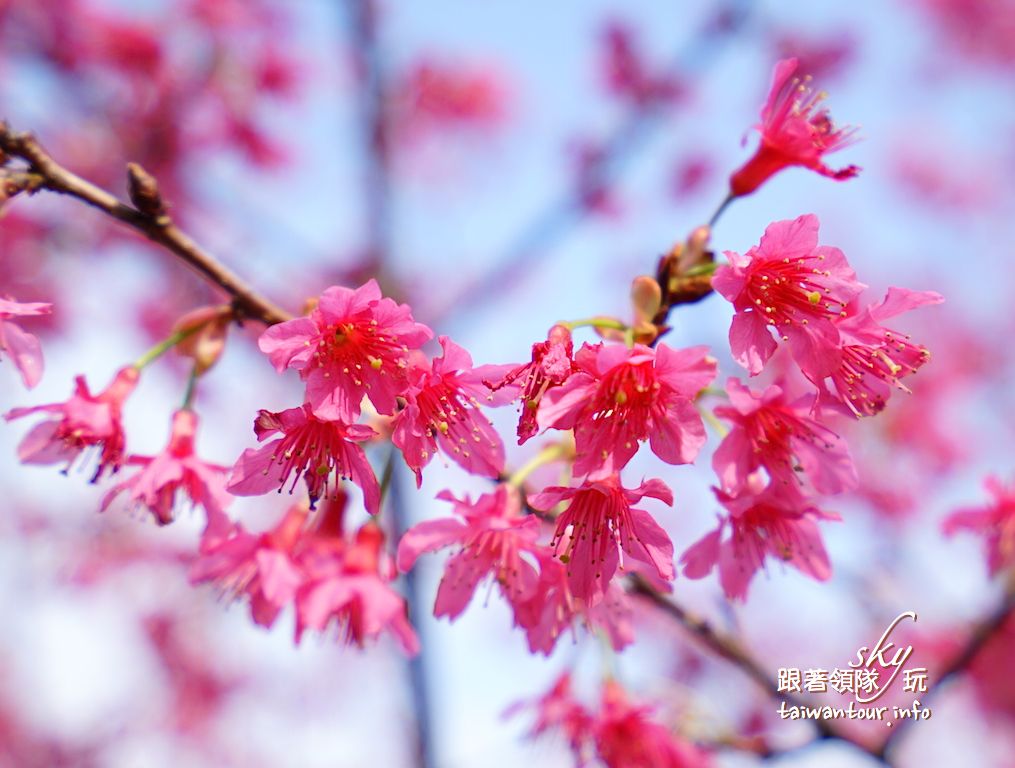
{"x":208,"y":339}
{"x":144,"y":191}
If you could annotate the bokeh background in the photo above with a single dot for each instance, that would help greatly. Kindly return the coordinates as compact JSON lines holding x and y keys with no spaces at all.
{"x":500,"y":166}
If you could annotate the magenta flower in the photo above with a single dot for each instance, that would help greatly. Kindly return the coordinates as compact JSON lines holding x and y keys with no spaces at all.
{"x":83,"y":421}
{"x":355,"y":343}
{"x":791,"y":285}
{"x":442,"y":410}
{"x":599,"y":523}
{"x":558,"y":709}
{"x":553,"y":609}
{"x":624,"y":396}
{"x":625,"y":736}
{"x":23,"y":348}
{"x":328,"y":579}
{"x":260,"y":568}
{"x":875,"y":359}
{"x":176,"y":469}
{"x":491,"y":535}
{"x":793,"y":132}
{"x":551,"y":365}
{"x":776,"y":521}
{"x":770,"y":431}
{"x":995,"y":522}
{"x":310,"y":448}
{"x":354,"y":593}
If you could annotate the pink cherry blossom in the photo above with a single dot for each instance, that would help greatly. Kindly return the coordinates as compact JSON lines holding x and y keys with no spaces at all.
{"x":875,"y":359}
{"x":794,"y":131}
{"x":442,"y":411}
{"x":599,"y":523}
{"x":775,"y":521}
{"x":83,"y":421}
{"x":995,"y":522}
{"x":176,"y":469}
{"x":492,"y":535}
{"x":260,"y":568}
{"x":355,"y":343}
{"x":550,"y":367}
{"x":558,"y":709}
{"x":623,"y":396}
{"x":553,"y":609}
{"x":311,"y":565}
{"x":772,"y":432}
{"x":791,"y":285}
{"x":310,"y":448}
{"x":625,"y":737}
{"x":353,"y":593}
{"x":23,"y":348}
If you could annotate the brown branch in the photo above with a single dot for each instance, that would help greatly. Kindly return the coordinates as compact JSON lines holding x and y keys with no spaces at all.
{"x":730,"y":650}
{"x":982,"y":632}
{"x":157,"y":227}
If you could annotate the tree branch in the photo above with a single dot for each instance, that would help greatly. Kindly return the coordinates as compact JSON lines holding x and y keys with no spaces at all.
{"x":158,"y":228}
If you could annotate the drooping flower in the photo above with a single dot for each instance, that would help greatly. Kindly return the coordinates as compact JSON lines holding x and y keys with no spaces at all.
{"x":354,"y":594}
{"x":442,"y":410}
{"x":23,"y":348}
{"x":310,"y":448}
{"x":492,"y":535}
{"x":558,"y":709}
{"x":550,"y":367}
{"x":772,"y":432}
{"x":794,"y":131}
{"x":599,"y":523}
{"x":875,"y":359}
{"x":775,"y":521}
{"x":553,"y":609}
{"x":625,"y":737}
{"x":624,"y":396}
{"x":791,"y":285}
{"x":995,"y":522}
{"x":355,"y":343}
{"x":83,"y":421}
{"x":176,"y":469}
{"x":310,"y":564}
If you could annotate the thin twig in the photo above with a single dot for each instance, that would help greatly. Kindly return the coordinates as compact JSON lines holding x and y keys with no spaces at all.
{"x":157,"y":228}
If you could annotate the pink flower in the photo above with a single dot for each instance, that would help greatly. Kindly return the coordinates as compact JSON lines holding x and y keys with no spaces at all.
{"x":354,"y":343}
{"x":624,"y":396}
{"x":442,"y":410}
{"x":558,"y":709}
{"x":874,"y":359}
{"x":176,"y":469}
{"x":598,"y":524}
{"x":310,"y":448}
{"x":550,"y":367}
{"x":83,"y":421}
{"x":553,"y":609}
{"x":23,"y":348}
{"x":995,"y":522}
{"x":354,"y":593}
{"x":625,"y":737}
{"x":770,"y":431}
{"x":491,"y":537}
{"x":328,"y":579}
{"x":776,"y":521}
{"x":793,"y":132}
{"x":260,"y":568}
{"x":791,"y":285}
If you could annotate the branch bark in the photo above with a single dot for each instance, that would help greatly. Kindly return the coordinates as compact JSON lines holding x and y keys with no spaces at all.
{"x":159,"y":228}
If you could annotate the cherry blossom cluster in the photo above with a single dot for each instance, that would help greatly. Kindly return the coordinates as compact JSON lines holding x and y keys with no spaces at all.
{"x":557,"y":551}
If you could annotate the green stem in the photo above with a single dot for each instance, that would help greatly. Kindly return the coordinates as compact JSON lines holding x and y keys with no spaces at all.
{"x":164,"y":346}
{"x":719,"y":211}
{"x":713,"y":422}
{"x":596,"y":322}
{"x":548,"y":454}
{"x":188,"y":396}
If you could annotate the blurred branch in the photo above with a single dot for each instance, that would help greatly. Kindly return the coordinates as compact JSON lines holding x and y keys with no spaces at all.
{"x":148,"y":218}
{"x":550,"y":225}
{"x":981,"y":634}
{"x":731,"y":650}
